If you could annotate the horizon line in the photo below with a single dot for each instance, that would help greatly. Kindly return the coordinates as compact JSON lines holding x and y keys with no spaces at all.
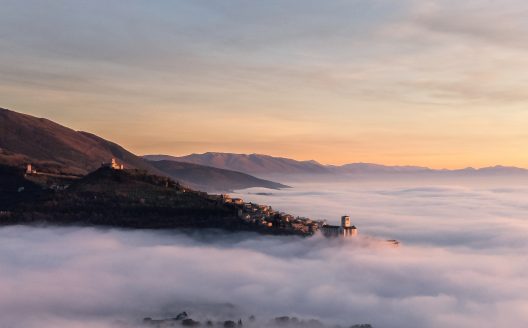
{"x":347,"y":163}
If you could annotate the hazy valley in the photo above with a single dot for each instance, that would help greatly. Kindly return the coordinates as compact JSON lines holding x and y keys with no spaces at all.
{"x":64,"y":220}
{"x":263,"y":164}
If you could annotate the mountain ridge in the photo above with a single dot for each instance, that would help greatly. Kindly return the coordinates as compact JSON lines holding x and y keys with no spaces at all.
{"x":54,"y":148}
{"x":259,"y":164}
{"x":254,"y":163}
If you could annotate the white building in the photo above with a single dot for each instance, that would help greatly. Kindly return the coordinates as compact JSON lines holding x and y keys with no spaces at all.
{"x":30,"y":169}
{"x":343,"y":230}
{"x":114,"y":165}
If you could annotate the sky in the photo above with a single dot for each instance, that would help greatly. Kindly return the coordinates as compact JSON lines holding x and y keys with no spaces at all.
{"x":461,"y":263}
{"x":434,"y":83}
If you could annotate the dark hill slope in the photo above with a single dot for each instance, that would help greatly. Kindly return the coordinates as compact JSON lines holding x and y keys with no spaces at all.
{"x":200,"y":176}
{"x":131,"y":199}
{"x":14,"y":188}
{"x":128,"y":199}
{"x":55,"y":148}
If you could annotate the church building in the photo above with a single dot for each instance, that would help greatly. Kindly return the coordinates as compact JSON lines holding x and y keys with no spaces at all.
{"x":344,"y":230}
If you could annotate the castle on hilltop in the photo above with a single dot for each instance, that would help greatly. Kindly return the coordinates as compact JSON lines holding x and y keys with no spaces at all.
{"x":344,"y":230}
{"x":114,"y":165}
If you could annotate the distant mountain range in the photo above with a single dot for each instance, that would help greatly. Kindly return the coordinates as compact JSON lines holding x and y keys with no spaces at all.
{"x":262,"y":165}
{"x":54,"y":148}
{"x":254,"y":163}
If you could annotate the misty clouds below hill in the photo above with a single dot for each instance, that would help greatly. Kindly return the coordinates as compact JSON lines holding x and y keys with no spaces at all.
{"x":92,"y":278}
{"x":461,"y":264}
{"x":470,"y":213}
{"x":269,"y":166}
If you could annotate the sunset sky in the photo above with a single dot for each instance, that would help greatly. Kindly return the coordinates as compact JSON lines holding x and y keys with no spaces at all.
{"x":434,"y":83}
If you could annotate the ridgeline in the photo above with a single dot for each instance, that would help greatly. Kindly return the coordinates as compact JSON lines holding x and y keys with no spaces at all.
{"x":118,"y":198}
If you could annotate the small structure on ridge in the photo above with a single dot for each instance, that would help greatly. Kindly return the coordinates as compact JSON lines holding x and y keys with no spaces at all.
{"x":114,"y":165}
{"x":30,"y":169}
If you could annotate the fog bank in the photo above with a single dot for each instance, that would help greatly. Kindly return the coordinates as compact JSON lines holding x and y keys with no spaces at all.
{"x":462,"y":263}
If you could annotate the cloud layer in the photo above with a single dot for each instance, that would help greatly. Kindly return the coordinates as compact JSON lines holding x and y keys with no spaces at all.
{"x":462,"y":264}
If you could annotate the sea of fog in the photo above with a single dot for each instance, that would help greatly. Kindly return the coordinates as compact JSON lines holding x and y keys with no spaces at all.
{"x":462,"y":263}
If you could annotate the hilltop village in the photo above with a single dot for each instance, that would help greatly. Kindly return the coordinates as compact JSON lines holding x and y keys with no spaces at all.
{"x":266,"y":217}
{"x":117,"y":196}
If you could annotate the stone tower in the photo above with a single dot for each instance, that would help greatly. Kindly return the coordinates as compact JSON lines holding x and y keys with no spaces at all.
{"x":345,"y":221}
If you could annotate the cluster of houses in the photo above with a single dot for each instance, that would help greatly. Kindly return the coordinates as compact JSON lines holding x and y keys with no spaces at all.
{"x":265,"y":216}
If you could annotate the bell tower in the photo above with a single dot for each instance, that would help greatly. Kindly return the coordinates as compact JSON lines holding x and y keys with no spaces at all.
{"x":345,"y":221}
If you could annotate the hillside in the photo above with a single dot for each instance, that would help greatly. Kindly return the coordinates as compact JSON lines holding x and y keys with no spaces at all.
{"x":125,"y":199}
{"x":200,"y":177}
{"x":54,"y":148}
{"x":251,"y":164}
{"x":14,"y":188}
